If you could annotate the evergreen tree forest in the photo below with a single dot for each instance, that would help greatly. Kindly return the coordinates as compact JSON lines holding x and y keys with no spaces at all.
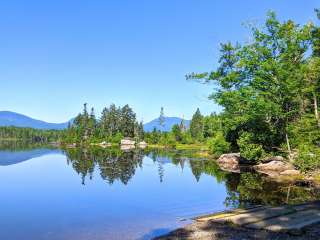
{"x":114,"y":124}
{"x":29,"y":134}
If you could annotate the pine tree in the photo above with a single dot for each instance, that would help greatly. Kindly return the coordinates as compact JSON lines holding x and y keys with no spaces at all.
{"x":162,"y":118}
{"x":182,"y":125}
{"x":196,"y":126}
{"x":127,"y":121}
{"x":177,"y":132}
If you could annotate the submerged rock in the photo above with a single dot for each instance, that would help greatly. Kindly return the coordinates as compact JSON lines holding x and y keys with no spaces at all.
{"x":229,"y":162}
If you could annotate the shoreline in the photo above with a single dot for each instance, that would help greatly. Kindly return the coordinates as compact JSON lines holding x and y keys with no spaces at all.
{"x":218,"y":231}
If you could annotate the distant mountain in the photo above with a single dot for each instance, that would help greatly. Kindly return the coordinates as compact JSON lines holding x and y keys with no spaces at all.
{"x":8,"y":118}
{"x":18,"y":120}
{"x":168,"y":123}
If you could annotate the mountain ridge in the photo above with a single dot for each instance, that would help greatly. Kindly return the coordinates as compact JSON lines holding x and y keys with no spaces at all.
{"x":9,"y":118}
{"x":168,"y":124}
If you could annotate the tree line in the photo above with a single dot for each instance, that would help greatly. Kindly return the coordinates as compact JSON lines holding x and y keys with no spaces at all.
{"x":29,"y":134}
{"x":198,"y":131}
{"x":114,"y":124}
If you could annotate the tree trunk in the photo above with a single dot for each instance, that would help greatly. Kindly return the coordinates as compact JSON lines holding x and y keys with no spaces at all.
{"x":288,"y":144}
{"x":315,"y":103}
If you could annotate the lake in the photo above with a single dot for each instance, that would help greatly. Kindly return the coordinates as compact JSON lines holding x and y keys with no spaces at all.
{"x":49,"y":193}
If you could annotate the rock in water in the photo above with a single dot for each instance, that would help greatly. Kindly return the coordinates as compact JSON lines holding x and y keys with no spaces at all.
{"x":127,"y":141}
{"x":229,"y":162}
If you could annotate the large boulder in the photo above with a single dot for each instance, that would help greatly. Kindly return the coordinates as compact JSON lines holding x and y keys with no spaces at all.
{"x":291,"y":172}
{"x":127,"y":141}
{"x":274,"y":168}
{"x":273,"y":158}
{"x":229,"y":162}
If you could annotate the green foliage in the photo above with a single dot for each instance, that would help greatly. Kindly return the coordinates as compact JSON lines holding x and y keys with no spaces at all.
{"x":30,"y":134}
{"x":114,"y":124}
{"x":168,"y":140}
{"x":196,"y":126}
{"x":116,"y":138}
{"x":268,"y":88}
{"x":249,"y":150}
{"x":177,"y":132}
{"x":308,"y":158}
{"x":305,"y":131}
{"x":211,"y":125}
{"x":187,"y":138}
{"x":152,"y":137}
{"x":218,"y":145}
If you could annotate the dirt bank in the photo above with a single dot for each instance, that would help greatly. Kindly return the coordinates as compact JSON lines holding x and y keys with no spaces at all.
{"x":216,"y":231}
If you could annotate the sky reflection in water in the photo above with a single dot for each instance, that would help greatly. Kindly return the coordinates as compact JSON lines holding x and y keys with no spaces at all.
{"x":109,"y":194}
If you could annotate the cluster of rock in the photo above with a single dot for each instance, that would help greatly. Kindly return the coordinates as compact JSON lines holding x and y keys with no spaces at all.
{"x":129,"y":142}
{"x":125,"y":144}
{"x":273,"y":166}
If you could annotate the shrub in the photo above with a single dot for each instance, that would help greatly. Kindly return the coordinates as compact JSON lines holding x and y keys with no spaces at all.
{"x":218,"y":144}
{"x":117,"y":138}
{"x":171,"y":143}
{"x":248,"y":149}
{"x":308,"y":158}
{"x":186,"y":138}
{"x":168,"y":140}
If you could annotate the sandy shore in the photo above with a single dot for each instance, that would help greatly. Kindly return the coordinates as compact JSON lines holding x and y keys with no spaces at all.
{"x":216,"y":231}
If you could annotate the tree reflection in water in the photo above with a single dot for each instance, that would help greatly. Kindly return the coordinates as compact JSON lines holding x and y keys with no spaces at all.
{"x":242,"y":189}
{"x":112,"y":163}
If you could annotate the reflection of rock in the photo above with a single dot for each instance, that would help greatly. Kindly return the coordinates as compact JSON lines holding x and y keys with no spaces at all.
{"x":229,"y":162}
{"x":275,"y":168}
{"x":72,"y":145}
{"x":142,"y":144}
{"x":127,"y":147}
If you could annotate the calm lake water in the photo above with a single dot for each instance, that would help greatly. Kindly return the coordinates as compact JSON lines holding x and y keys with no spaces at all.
{"x":94,"y":194}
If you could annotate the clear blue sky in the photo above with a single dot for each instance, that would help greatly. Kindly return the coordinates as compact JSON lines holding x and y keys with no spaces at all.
{"x":56,"y":55}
